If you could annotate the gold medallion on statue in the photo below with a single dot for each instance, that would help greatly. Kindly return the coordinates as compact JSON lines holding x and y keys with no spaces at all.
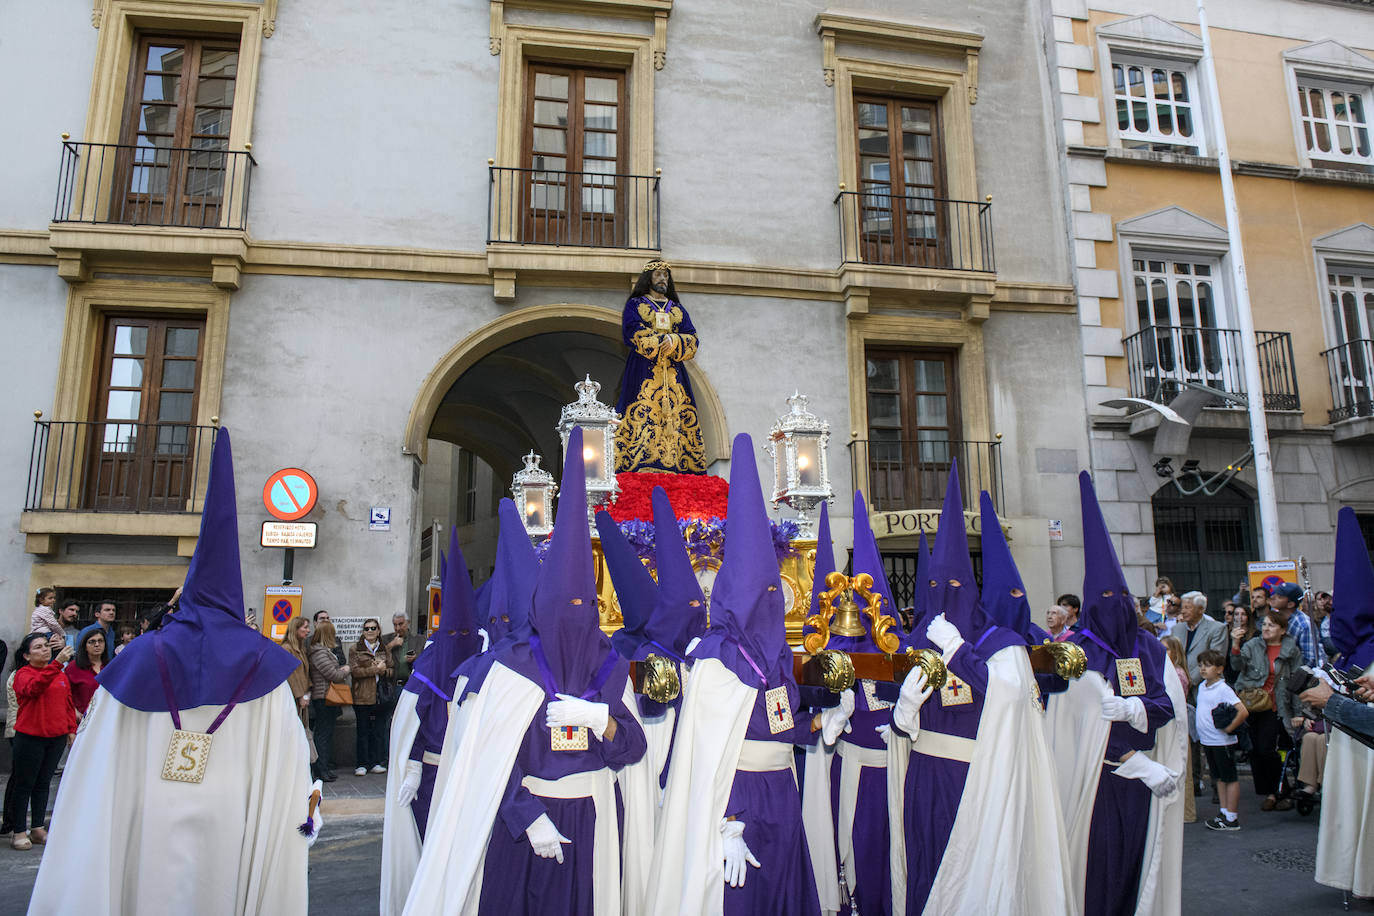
{"x":955,"y":692}
{"x":663,"y":322}
{"x":1130,"y":677}
{"x":568,"y":737}
{"x":779,"y":710}
{"x":187,"y":755}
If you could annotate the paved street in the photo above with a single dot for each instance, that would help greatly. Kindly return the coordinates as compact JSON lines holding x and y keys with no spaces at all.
{"x":1265,"y":868}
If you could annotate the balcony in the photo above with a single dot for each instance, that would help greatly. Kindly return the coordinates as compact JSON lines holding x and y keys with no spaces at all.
{"x":152,"y":204}
{"x":115,"y":478}
{"x":902,"y":475}
{"x":552,"y":222}
{"x":1160,"y":359}
{"x":1350,"y":370}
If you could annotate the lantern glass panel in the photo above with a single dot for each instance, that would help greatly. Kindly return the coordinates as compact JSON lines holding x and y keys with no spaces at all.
{"x":808,"y":461}
{"x":594,"y":452}
{"x":534,"y":507}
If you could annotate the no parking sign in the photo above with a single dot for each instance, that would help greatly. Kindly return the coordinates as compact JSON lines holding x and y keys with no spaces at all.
{"x":290,"y":494}
{"x":279,"y":604}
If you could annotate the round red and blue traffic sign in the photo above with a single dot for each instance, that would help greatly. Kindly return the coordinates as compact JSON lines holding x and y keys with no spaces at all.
{"x":290,"y":494}
{"x":281,"y":611}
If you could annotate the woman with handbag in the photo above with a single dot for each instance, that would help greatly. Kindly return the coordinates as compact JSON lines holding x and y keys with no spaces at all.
{"x":330,"y":691}
{"x":371,"y":671}
{"x":1264,"y":665}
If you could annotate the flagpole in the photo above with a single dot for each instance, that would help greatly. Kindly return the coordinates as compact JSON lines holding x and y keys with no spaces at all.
{"x":1270,"y":545}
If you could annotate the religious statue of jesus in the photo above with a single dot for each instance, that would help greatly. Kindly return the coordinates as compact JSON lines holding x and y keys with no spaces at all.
{"x":659,"y":430}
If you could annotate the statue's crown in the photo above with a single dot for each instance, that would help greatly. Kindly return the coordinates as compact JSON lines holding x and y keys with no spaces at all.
{"x":658,"y":264}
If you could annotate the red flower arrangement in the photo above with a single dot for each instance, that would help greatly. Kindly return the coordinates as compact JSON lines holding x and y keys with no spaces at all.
{"x":692,"y":495}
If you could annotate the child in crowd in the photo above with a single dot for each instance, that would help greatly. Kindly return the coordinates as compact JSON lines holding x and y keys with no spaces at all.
{"x":1218,"y":743}
{"x":1174,"y":649}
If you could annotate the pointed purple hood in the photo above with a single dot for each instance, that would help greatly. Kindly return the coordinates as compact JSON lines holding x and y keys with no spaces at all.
{"x":635,"y":588}
{"x":510,"y":590}
{"x":950,"y":562}
{"x":208,"y":649}
{"x":825,"y":564}
{"x":457,"y":638}
{"x":867,"y":559}
{"x":1108,"y":608}
{"x":564,"y":613}
{"x":679,"y":614}
{"x":1002,"y":580}
{"x":747,"y":601}
{"x":1352,"y":594}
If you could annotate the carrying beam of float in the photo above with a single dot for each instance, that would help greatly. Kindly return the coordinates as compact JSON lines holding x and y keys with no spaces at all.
{"x":1249,"y":350}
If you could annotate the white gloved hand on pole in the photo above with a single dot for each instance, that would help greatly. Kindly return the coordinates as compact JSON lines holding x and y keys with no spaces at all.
{"x":836,"y":719}
{"x":1125,"y":709}
{"x":1162,"y":781}
{"x":884,"y":732}
{"x":545,"y":839}
{"x":945,"y":635}
{"x":486,"y":640}
{"x":410,"y":783}
{"x":906,"y":715}
{"x":571,"y":710}
{"x":737,"y":854}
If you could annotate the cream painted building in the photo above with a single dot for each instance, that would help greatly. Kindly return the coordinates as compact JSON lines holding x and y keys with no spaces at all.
{"x":380,"y":242}
{"x":1155,"y":293}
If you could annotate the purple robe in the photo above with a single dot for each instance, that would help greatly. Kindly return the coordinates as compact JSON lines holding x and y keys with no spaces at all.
{"x":515,"y":880}
{"x":935,"y":785}
{"x":1121,"y":808}
{"x":872,"y":894}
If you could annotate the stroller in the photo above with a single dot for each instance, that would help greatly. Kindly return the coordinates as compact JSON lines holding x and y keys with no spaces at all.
{"x":1304,"y":802}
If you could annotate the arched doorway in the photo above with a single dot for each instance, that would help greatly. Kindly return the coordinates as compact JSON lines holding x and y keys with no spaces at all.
{"x":496,"y":396}
{"x":1203,"y":542}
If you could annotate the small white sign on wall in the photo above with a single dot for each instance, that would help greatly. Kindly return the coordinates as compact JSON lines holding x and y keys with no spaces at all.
{"x":1056,"y":529}
{"x":380,"y":519}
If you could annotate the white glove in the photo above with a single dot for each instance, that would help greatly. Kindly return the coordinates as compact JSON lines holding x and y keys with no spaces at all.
{"x":906,"y":715}
{"x":836,"y":719}
{"x":571,"y":710}
{"x":1161,"y":780}
{"x":545,"y":839}
{"x":884,"y":732}
{"x":1125,"y":709}
{"x":410,"y":783}
{"x":736,"y":852}
{"x":486,"y":640}
{"x":692,"y":645}
{"x":945,"y":635}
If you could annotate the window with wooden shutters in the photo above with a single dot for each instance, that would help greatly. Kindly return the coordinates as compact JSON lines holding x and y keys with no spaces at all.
{"x":901,"y":185}
{"x":176,"y":131}
{"x":575,"y":193}
{"x":143,"y":441}
{"x":913,"y":426}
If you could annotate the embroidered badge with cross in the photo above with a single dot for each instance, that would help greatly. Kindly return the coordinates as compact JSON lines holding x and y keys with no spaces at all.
{"x":955,"y":692}
{"x":779,"y":711}
{"x":568,"y":737}
{"x":871,"y":696}
{"x":1130,"y":677}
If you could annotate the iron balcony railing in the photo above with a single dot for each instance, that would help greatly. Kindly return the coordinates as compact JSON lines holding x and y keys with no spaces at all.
{"x":591,"y":209}
{"x":202,"y":188}
{"x":878,"y":227}
{"x":1350,"y":367}
{"x":113,"y":466}
{"x":905,"y":474}
{"x":1161,"y":358}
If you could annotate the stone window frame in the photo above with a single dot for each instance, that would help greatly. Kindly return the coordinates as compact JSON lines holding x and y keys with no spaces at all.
{"x":1350,"y":248}
{"x":1172,"y":232}
{"x":1328,"y":65}
{"x":1150,"y":40}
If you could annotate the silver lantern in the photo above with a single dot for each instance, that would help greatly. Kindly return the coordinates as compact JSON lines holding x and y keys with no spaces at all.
{"x":598,"y":422}
{"x":801,"y":467}
{"x":533,"y":489}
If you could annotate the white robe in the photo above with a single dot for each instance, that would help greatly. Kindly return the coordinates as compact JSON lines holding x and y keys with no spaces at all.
{"x":400,"y":836}
{"x":1078,"y":740}
{"x":143,"y":844}
{"x":1006,"y":852}
{"x":1161,"y":873}
{"x":688,"y":865}
{"x":1345,"y":838}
